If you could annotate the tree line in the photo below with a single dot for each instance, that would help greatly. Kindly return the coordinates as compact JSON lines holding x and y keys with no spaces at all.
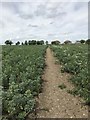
{"x":30,"y":42}
{"x":56,"y":42}
{"x":41,"y":42}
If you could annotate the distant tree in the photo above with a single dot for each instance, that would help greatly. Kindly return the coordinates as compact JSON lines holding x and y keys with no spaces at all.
{"x":18,"y":43}
{"x":26,"y":43}
{"x":8,"y":42}
{"x":56,"y":42}
{"x":53,"y":42}
{"x":82,"y":41}
{"x":40,"y":42}
{"x":46,"y":42}
{"x":88,"y":41}
{"x":11,"y":42}
{"x":67,"y":42}
{"x":33,"y":42}
{"x":29,"y":42}
{"x":22,"y":43}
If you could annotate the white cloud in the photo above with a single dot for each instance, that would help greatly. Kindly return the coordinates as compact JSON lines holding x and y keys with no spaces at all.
{"x":43,"y":20}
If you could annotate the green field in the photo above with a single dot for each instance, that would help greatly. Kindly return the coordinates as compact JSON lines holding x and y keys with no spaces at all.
{"x":74,"y":60}
{"x":22,"y":68}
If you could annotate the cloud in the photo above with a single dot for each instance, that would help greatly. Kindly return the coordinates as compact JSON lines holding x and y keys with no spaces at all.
{"x":33,"y":25}
{"x":41,"y":10}
{"x":43,"y":20}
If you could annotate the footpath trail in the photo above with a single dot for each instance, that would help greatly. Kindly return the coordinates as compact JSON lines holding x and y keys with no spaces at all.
{"x":54,"y":102}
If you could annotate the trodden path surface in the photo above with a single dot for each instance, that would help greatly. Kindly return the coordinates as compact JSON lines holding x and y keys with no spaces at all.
{"x":54,"y":102}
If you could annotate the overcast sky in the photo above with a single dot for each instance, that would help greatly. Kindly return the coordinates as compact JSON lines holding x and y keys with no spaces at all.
{"x":43,"y":20}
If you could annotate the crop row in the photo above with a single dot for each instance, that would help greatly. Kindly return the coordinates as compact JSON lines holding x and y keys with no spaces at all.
{"x":22,"y":67}
{"x":74,"y":60}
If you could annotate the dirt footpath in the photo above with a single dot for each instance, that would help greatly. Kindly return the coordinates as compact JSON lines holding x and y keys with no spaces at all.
{"x":55,"y":102}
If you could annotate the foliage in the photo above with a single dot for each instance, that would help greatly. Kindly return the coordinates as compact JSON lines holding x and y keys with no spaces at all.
{"x":46,"y":42}
{"x":22,"y":67}
{"x":26,"y":43}
{"x":18,"y":43}
{"x":40,"y":42}
{"x":8,"y":42}
{"x":67,"y":42}
{"x":56,"y":42}
{"x":88,"y":41}
{"x":33,"y":42}
{"x":82,"y":41}
{"x":74,"y":59}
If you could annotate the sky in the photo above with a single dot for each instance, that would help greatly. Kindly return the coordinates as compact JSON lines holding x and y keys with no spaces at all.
{"x":47,"y":20}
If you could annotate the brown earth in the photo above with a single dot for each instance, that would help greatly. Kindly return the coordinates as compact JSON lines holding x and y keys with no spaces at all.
{"x":55,"y":102}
